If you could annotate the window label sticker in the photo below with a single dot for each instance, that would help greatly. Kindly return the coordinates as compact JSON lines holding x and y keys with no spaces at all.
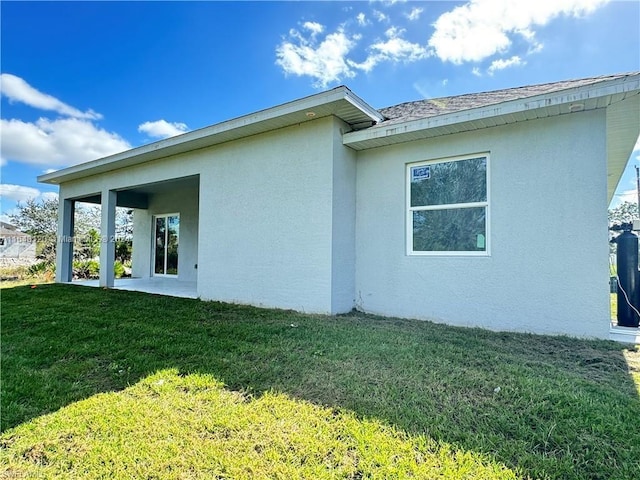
{"x":480,"y":243}
{"x":420,"y":173}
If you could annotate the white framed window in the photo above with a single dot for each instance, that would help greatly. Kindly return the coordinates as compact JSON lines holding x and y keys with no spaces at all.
{"x":448,"y":206}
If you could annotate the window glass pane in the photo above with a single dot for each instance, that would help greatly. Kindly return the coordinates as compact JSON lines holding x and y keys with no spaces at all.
{"x":450,"y":230}
{"x":159,"y":246}
{"x":172,"y":245}
{"x":462,"y":181}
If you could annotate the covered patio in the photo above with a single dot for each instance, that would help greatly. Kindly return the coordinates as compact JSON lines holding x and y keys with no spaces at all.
{"x":165,"y":235}
{"x":155,"y":285}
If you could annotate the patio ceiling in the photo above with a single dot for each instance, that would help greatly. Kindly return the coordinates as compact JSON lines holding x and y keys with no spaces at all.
{"x":138,"y":196}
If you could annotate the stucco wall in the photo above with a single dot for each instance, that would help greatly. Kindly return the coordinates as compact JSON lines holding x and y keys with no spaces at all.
{"x":343,"y":228}
{"x":265,"y":234}
{"x":142,"y":244}
{"x":547,"y":271}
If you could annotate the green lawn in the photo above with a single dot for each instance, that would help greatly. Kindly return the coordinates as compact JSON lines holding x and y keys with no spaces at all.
{"x":111,"y":384}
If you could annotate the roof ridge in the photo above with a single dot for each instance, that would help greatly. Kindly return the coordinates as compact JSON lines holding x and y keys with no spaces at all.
{"x":571,"y":80}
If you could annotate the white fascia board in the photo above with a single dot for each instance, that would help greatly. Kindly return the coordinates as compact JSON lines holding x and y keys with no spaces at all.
{"x":563,"y":97}
{"x":363,"y":106}
{"x":198,"y":138}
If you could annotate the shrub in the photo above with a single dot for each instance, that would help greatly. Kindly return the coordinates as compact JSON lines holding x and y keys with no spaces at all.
{"x":118,"y":269}
{"x":91,"y":269}
{"x":87,"y":246}
{"x":86,"y":269}
{"x":123,"y":250}
{"x":12,"y":272}
{"x":45,"y":269}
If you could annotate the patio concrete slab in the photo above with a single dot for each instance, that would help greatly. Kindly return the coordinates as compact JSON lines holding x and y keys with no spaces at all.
{"x":157,"y":285}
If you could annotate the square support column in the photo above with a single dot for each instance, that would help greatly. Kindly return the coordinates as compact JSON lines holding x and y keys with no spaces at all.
{"x":64,"y":257}
{"x":108,"y":240}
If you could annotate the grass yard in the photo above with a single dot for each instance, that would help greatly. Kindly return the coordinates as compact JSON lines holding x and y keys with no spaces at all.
{"x":112,"y":384}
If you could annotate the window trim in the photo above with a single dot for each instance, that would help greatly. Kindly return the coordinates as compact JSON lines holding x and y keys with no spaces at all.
{"x":410,"y":209}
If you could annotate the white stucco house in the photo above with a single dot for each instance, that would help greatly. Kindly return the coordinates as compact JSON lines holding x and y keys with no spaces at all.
{"x":487,"y":209}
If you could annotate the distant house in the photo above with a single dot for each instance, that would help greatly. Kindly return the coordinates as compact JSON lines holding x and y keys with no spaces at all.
{"x":468,"y":210}
{"x":15,"y":244}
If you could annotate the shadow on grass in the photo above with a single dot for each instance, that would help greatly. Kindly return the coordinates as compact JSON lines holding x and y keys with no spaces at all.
{"x":548,"y":406}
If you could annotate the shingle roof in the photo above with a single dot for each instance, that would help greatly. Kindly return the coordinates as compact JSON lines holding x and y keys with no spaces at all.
{"x":440,"y":106}
{"x":8,"y":230}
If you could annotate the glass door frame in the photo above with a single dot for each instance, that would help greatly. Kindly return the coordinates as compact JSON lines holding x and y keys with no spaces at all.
{"x":155,"y":218}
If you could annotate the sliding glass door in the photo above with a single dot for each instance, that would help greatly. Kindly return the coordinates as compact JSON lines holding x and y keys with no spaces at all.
{"x":166,"y":239}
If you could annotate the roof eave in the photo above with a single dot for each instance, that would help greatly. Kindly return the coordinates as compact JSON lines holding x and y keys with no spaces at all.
{"x":554,"y":103}
{"x":339,"y":101}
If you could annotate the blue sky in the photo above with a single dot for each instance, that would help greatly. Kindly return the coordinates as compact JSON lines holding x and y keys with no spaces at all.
{"x":82,"y":80}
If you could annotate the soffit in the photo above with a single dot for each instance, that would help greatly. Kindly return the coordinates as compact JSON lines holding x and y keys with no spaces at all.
{"x":623,"y":128}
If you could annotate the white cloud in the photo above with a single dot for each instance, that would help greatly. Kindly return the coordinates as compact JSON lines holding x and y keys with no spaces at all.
{"x":362,"y":19}
{"x":57,"y":143}
{"x":415,"y":13}
{"x":162,"y":128}
{"x":314,"y":27}
{"x":381,"y":17}
{"x":52,"y":143}
{"x":397,"y":48}
{"x":501,"y":64}
{"x":535,"y":47}
{"x":49,"y":195}
{"x":394,"y":49}
{"x":325,"y":61}
{"x":18,"y":193}
{"x":13,"y":194}
{"x":17,"y":90}
{"x":482,"y":28}
{"x":476,"y":71}
{"x":630,"y":196}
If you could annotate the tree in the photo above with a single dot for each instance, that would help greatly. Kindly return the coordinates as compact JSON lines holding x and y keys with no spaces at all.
{"x":88,"y":245}
{"x":40,"y":220}
{"x":124,"y":224}
{"x":623,"y":213}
